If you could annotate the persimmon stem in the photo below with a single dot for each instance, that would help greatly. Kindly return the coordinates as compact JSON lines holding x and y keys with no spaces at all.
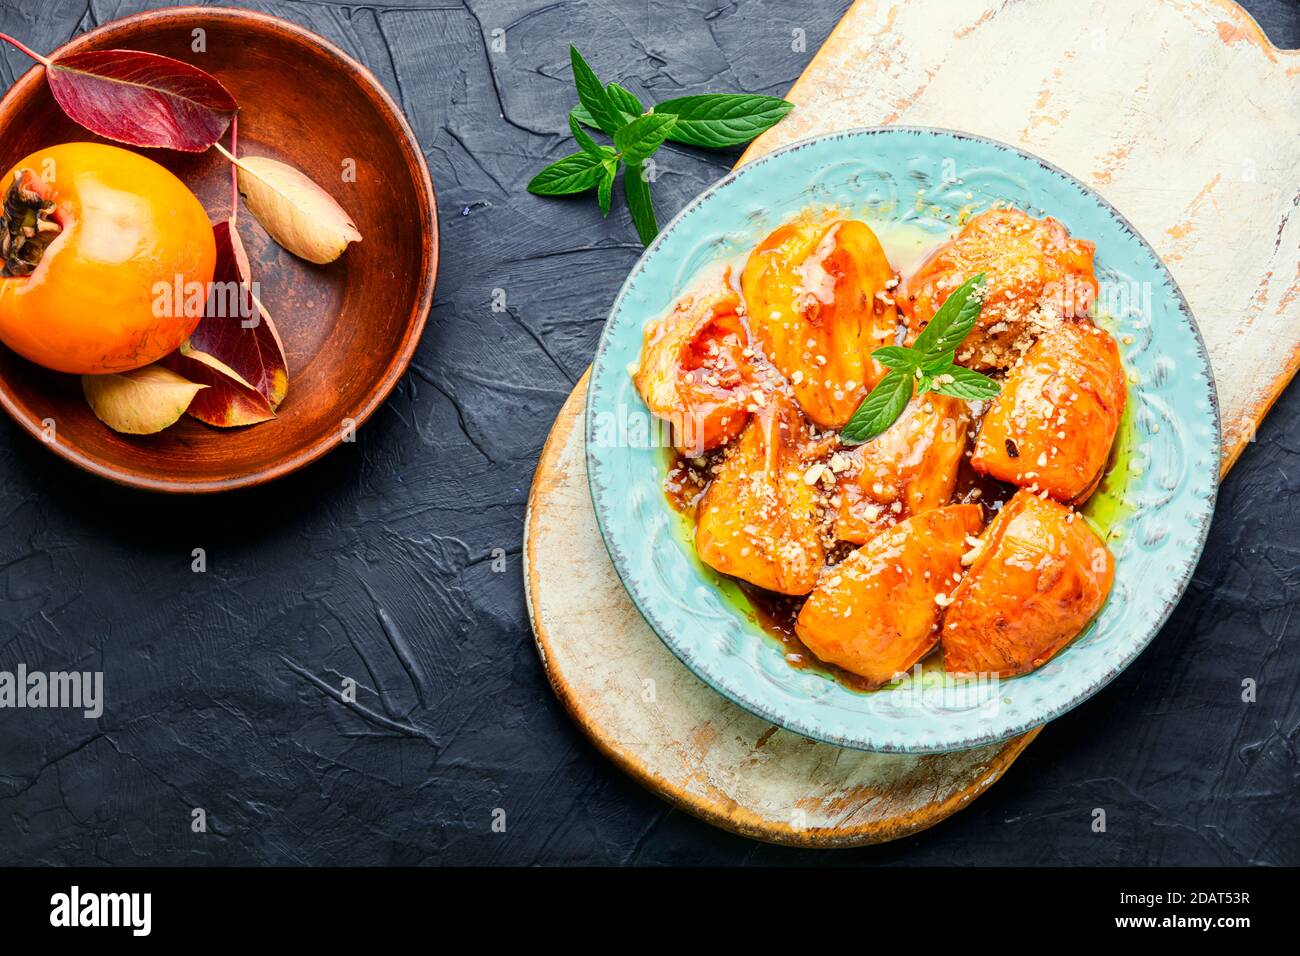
{"x":27,"y":224}
{"x":25,"y":49}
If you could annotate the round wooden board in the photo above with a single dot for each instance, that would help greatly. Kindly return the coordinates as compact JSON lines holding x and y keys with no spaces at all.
{"x":645,"y":711}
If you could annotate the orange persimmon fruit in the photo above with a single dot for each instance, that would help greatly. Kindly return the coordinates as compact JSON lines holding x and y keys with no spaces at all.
{"x":693,"y":370}
{"x":909,"y":469}
{"x":1037,"y":275}
{"x":877,"y":612}
{"x":1038,"y":577}
{"x":760,"y":519}
{"x":107,"y":257}
{"x":818,"y":304}
{"x":1052,"y":426}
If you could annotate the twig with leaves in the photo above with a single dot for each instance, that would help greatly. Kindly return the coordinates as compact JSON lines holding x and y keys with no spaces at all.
{"x":714,"y":120}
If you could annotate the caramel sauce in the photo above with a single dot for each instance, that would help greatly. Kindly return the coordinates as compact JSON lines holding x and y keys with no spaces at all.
{"x":687,"y":480}
{"x":776,"y":615}
{"x":974,"y":488}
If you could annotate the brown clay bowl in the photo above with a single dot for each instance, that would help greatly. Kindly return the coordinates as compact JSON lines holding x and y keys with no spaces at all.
{"x":349,"y":328}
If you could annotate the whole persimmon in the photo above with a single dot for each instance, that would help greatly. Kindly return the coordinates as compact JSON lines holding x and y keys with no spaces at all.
{"x":1037,"y":577}
{"x":1052,"y":426}
{"x":759,"y":519}
{"x":816,"y":294}
{"x":877,"y":612}
{"x":693,"y":371}
{"x":106,"y":259}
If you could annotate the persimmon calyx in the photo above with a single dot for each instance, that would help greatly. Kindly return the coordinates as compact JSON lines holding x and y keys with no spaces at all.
{"x":27,"y":224}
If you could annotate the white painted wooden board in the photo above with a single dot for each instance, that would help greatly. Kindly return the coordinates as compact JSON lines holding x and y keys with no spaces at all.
{"x":1180,"y":113}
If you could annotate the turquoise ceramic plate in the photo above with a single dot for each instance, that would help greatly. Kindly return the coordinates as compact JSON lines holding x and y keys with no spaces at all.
{"x":909,"y":179}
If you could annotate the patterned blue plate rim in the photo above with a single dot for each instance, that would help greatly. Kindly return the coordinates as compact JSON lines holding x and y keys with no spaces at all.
{"x":793,"y":722}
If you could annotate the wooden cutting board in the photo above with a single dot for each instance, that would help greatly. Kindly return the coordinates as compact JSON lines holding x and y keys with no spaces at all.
{"x":1185,"y":117}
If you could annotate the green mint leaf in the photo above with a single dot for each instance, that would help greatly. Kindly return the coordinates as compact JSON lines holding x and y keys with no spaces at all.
{"x":966,"y":383}
{"x":954,"y":320}
{"x":932,"y":363}
{"x":638,"y":201}
{"x":640,"y":138}
{"x":583,"y":138}
{"x":722,"y":119}
{"x":588,"y":144}
{"x":896,"y":356}
{"x":605,"y":188}
{"x":624,"y":100}
{"x":592,"y":94}
{"x":572,"y":174}
{"x":880,"y":409}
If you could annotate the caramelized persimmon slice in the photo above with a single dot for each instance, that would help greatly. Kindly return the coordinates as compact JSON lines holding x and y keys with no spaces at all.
{"x":694,"y":371}
{"x":1039,"y":576}
{"x":760,"y":520}
{"x":817,"y":303}
{"x":876,"y":613}
{"x":1035,"y":273}
{"x":1051,"y":427}
{"x":909,"y":469}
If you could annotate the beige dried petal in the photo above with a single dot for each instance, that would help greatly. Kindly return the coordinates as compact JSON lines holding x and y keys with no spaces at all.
{"x":299,"y":214}
{"x":140,"y":402}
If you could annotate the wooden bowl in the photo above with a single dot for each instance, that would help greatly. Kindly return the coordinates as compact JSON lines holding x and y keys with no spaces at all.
{"x":349,"y":328}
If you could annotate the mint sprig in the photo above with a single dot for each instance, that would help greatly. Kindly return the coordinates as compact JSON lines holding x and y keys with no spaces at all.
{"x":953,"y":322}
{"x":624,"y":101}
{"x":929,"y":365}
{"x":637,"y":141}
{"x":722,"y":120}
{"x":712,"y":120}
{"x":572,"y":174}
{"x":593,"y":96}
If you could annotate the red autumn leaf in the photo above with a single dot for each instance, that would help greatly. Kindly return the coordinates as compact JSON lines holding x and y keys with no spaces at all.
{"x":143,"y":99}
{"x":229,"y":400}
{"x":236,"y":329}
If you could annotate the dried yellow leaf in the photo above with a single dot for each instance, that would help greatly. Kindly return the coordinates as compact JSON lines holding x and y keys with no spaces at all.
{"x":299,"y":214}
{"x":140,"y":402}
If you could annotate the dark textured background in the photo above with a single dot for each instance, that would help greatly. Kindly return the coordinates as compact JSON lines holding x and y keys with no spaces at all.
{"x":209,"y":677}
